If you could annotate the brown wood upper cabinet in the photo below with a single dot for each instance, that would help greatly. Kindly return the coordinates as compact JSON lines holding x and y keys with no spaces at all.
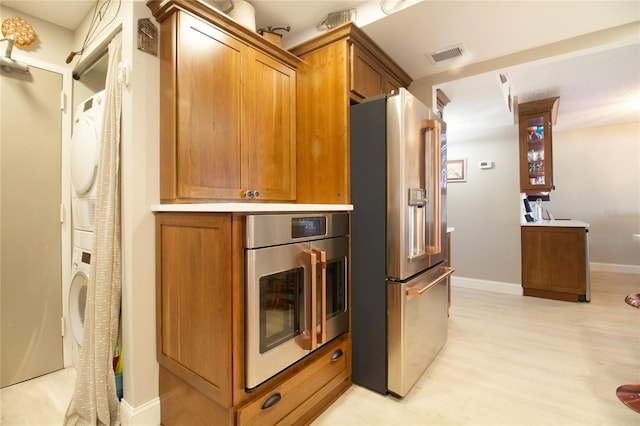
{"x":536,"y":154}
{"x":228,"y":109}
{"x":340,"y":67}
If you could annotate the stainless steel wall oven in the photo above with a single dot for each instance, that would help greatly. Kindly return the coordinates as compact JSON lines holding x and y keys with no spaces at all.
{"x":296,"y":288}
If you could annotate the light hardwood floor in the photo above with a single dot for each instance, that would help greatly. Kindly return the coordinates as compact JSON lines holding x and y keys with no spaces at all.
{"x":509,"y":360}
{"x":513,"y":360}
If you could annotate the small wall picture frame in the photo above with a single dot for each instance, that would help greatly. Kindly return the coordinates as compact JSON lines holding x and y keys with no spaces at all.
{"x":457,"y":170}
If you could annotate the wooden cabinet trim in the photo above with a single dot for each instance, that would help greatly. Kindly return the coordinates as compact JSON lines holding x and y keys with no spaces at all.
{"x":354,"y":34}
{"x":164,"y":9}
{"x":544,"y":105}
{"x":324,"y":99}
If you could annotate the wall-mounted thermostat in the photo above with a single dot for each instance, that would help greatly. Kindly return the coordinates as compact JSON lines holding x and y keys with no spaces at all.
{"x":486,"y":164}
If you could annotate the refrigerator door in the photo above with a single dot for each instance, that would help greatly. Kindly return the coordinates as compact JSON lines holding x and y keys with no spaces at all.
{"x":417,"y":326}
{"x":416,"y":185}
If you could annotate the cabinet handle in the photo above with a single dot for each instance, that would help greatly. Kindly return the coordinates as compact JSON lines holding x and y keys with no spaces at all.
{"x":336,"y":355}
{"x":248,"y":194}
{"x":271,"y":401}
{"x":256,"y":193}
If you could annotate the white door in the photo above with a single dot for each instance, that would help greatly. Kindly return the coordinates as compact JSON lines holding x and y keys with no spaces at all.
{"x":30,"y":229}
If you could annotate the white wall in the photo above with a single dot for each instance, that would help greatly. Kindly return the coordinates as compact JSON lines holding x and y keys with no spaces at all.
{"x":485,"y":209}
{"x":597,"y":177}
{"x":53,"y":43}
{"x":140,"y":189}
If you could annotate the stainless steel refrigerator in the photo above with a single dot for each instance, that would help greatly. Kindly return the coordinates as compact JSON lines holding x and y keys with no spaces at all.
{"x":399,"y":276}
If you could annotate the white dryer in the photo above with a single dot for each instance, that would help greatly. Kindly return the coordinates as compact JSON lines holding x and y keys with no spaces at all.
{"x":85,"y":153}
{"x":80,"y":277}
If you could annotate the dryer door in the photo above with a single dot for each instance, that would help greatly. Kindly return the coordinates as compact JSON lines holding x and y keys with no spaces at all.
{"x":84,"y":154}
{"x":77,"y":302}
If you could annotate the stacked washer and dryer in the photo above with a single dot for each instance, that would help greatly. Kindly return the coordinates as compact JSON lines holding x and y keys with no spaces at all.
{"x":85,"y":153}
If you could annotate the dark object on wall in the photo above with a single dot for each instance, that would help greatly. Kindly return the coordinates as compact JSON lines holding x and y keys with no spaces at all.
{"x":147,"y":36}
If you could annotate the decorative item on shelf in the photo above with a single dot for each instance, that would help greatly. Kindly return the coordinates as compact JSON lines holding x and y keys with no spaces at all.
{"x":271,"y":34}
{"x":21,"y":31}
{"x":243,"y":12}
{"x":335,"y":19}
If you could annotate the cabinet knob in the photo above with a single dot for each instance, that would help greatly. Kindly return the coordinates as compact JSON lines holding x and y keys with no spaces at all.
{"x":271,"y":401}
{"x":251,"y":194}
{"x":336,"y":355}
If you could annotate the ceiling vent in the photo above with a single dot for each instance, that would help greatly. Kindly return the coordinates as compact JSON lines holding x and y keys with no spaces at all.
{"x":446,"y":54}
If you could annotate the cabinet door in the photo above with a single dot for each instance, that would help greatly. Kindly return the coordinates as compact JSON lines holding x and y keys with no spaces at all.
{"x":193,"y":300}
{"x":366,"y":75}
{"x":323,"y":126}
{"x":269,"y":129}
{"x":208,"y":81}
{"x":554,"y":262}
{"x":536,"y":165}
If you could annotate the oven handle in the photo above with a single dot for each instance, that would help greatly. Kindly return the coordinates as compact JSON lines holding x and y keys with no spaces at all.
{"x":447,"y":271}
{"x":322,"y":335}
{"x":308,"y":340}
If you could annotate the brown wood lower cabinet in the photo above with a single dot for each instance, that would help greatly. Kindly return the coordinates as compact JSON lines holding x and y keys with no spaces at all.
{"x":555,"y":262}
{"x":314,"y":385}
{"x":200,"y":334}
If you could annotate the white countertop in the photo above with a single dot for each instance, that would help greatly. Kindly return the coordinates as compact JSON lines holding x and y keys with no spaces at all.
{"x":560,"y":223}
{"x":249,"y":207}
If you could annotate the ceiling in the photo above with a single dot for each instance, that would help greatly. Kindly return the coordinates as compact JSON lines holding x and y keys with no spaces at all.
{"x":577,"y":50}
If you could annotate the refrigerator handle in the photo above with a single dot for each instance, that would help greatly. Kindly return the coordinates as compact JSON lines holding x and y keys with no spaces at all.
{"x":446,"y":272}
{"x":435,"y":240}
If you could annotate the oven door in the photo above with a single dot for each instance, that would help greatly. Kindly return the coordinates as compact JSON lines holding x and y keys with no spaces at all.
{"x":331,"y":288}
{"x":276,"y":306}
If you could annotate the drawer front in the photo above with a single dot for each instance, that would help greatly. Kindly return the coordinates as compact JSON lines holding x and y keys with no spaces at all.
{"x":274,"y":406}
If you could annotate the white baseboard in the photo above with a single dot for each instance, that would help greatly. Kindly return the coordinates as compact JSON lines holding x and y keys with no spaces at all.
{"x":486,"y":285}
{"x":612,"y":267}
{"x":147,"y":414}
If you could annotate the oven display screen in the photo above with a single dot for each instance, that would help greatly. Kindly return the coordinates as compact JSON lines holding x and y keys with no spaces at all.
{"x":308,"y":226}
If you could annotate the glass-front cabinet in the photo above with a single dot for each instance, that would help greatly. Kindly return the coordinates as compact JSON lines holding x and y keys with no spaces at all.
{"x":536,"y":154}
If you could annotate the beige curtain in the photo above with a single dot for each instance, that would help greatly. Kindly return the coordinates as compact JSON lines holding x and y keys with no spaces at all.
{"x":94,"y":400}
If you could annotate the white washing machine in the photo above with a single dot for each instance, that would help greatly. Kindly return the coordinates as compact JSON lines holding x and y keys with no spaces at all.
{"x":80,"y":277}
{"x":85,"y":153}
